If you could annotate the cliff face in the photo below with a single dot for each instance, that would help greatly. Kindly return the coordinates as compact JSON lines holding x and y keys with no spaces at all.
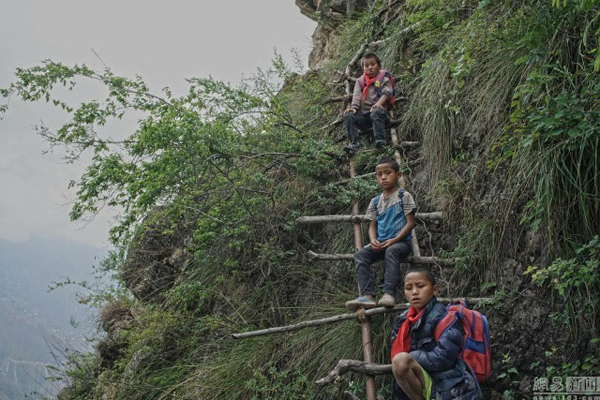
{"x":329,"y":14}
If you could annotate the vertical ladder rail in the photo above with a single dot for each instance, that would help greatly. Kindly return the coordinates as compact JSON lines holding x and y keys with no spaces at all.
{"x":414,"y":244}
{"x":365,"y":325}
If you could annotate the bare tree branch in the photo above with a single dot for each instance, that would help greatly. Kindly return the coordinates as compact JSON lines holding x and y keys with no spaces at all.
{"x":344,"y":317}
{"x":359,"y":367}
{"x":431,"y":216}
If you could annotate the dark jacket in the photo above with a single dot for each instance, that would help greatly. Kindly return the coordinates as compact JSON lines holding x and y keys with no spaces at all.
{"x":441,"y":360}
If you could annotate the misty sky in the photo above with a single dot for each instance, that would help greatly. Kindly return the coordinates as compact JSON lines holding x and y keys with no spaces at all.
{"x":163,"y":42}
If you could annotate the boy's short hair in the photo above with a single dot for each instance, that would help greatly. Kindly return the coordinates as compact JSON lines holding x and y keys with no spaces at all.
{"x":371,"y":55}
{"x":422,"y":270}
{"x":389,"y":160}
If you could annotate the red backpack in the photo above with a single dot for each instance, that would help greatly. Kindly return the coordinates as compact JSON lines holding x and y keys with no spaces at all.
{"x":476,"y":350}
{"x":378,"y":80}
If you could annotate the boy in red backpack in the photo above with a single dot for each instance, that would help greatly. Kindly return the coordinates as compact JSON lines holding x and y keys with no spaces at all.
{"x":423,"y":367}
{"x":373,"y":95}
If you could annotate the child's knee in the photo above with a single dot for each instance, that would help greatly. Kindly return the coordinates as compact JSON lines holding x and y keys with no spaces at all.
{"x":378,"y":113}
{"x":361,"y":255}
{"x":401,"y":249}
{"x":401,"y":364}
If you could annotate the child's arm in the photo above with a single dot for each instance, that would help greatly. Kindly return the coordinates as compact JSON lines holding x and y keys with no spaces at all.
{"x":386,"y":94}
{"x":371,"y":216}
{"x":410,"y":224}
{"x":375,"y":244}
{"x":445,"y":353}
{"x":380,"y":103}
{"x":356,"y":99}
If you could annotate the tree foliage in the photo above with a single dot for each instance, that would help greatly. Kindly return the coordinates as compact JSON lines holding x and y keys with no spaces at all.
{"x":183,"y":150}
{"x":226,"y":169}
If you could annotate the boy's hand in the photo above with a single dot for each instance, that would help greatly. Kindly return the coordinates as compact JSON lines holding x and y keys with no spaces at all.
{"x":350,"y":110}
{"x":386,"y":243}
{"x":375,"y":245}
{"x":380,"y":103}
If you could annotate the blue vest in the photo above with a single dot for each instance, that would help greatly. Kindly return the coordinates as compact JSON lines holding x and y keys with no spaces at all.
{"x":391,"y":221}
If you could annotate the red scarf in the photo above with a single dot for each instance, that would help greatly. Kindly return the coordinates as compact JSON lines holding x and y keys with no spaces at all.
{"x":402,"y":342}
{"x":368,"y":82}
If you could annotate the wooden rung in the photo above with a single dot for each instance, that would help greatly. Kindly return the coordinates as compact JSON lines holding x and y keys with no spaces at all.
{"x":407,"y":144}
{"x":405,"y":164}
{"x":359,"y":367}
{"x":408,"y":260}
{"x":319,"y":219}
{"x":347,"y":316}
{"x":345,"y":181}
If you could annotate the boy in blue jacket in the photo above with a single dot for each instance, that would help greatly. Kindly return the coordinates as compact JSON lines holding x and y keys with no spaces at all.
{"x":422,"y":367}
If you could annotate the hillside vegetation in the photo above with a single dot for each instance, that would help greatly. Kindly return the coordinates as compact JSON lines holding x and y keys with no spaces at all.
{"x":503,"y":97}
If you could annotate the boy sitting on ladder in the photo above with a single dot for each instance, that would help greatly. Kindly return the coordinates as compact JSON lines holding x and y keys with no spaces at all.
{"x":426,"y":363}
{"x":391,"y":218}
{"x":372,"y":98}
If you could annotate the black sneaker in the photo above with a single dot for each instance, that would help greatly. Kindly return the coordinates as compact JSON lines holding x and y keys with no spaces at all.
{"x":351,"y":148}
{"x":379,"y":144}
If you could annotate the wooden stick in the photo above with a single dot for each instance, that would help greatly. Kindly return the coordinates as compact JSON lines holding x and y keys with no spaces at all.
{"x":337,"y":99}
{"x":365,"y":324}
{"x":406,"y":144}
{"x":344,"y":181}
{"x":350,"y":396}
{"x":319,"y":219}
{"x":354,"y":60}
{"x":444,"y":262}
{"x":408,"y":164}
{"x":359,"y":367}
{"x":347,"y":316}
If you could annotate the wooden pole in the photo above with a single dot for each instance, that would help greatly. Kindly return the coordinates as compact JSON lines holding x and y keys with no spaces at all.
{"x":356,"y":366}
{"x":444,"y":262}
{"x":347,"y":316}
{"x":365,"y":325}
{"x":319,"y":219}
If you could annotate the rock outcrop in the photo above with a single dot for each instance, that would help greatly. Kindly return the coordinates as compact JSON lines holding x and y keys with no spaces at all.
{"x":328,"y":14}
{"x":156,"y":258}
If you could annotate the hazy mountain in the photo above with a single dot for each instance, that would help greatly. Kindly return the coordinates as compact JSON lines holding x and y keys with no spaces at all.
{"x":33,"y":319}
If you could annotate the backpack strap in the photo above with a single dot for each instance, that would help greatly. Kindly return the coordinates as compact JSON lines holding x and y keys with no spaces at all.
{"x":401,"y":197}
{"x":376,"y":204}
{"x":445,"y":322}
{"x":379,"y":79}
{"x":361,"y":81}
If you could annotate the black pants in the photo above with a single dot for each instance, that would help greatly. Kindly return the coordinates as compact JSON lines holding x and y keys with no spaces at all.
{"x":377,"y":120}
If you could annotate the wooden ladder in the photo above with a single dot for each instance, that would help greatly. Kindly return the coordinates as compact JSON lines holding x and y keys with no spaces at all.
{"x":355,"y":218}
{"x":366,"y":366}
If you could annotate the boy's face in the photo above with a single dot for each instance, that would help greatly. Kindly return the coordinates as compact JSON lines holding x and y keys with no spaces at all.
{"x":387,"y":176}
{"x":418,"y":289}
{"x":370,"y":67}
